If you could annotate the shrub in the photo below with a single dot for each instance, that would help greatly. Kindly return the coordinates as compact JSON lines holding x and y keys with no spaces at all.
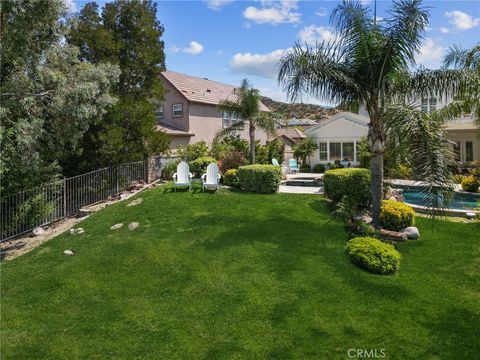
{"x":470,"y":184}
{"x":230,"y":177}
{"x":318,"y":169}
{"x":199,"y":166}
{"x":305,"y":168}
{"x":193,"y":151}
{"x":233,"y":159}
{"x":257,"y":178}
{"x":305,"y":148}
{"x":396,"y":215}
{"x":457,"y":179}
{"x":353,"y":183}
{"x":336,"y":165}
{"x":373,"y":255}
{"x":400,"y":171}
{"x":169,"y":170}
{"x":364,"y":155}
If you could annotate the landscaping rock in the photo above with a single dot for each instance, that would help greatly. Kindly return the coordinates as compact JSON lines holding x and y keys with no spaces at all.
{"x":393,"y":235}
{"x":363,"y":218}
{"x":412,"y":232}
{"x":38,"y":231}
{"x":470,"y":215}
{"x":116,"y":226}
{"x":77,"y":231}
{"x":68,"y":252}
{"x":136,"y":202}
{"x":133,"y":225}
{"x":392,"y":198}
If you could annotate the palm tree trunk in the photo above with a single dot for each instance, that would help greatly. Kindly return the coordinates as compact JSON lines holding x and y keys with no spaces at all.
{"x":376,"y":141}
{"x":251,"y":130}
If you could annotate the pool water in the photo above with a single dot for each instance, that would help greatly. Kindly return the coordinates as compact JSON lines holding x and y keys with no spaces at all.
{"x":459,"y":201}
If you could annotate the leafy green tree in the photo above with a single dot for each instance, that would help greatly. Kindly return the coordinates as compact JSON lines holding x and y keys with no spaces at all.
{"x":127,"y":34}
{"x":304,"y":149}
{"x":48,"y":97}
{"x":369,"y":64}
{"x":247,"y":108}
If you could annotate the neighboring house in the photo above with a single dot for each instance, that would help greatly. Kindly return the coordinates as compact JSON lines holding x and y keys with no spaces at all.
{"x":338,"y":136}
{"x":289,"y":136}
{"x":304,"y":123}
{"x":190,"y":113}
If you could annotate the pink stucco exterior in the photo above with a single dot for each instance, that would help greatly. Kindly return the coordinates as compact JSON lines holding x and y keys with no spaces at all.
{"x":200,"y":121}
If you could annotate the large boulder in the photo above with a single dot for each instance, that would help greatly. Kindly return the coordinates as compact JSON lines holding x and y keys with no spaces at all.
{"x":412,"y":232}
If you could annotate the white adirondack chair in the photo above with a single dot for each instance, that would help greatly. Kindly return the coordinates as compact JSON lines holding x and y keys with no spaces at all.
{"x":211,"y":179}
{"x":183,"y":176}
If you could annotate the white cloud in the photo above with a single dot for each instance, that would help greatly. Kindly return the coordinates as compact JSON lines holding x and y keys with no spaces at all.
{"x":71,"y":5}
{"x":263,"y":65}
{"x":461,"y":20}
{"x":313,"y":34}
{"x":274,"y":13}
{"x":321,"y":12}
{"x":430,"y":52}
{"x":195,"y":48}
{"x":444,"y":30}
{"x":217,"y":4}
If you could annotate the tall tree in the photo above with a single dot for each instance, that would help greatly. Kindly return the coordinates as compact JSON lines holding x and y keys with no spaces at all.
{"x":369,"y":64}
{"x":127,"y":34}
{"x":48,"y":98}
{"x":248,"y":111}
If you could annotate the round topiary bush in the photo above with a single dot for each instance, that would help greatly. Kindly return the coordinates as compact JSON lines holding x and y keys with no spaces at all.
{"x":353,"y":183}
{"x":258,"y":178}
{"x":396,"y":215}
{"x":470,"y":184}
{"x":199,"y":166}
{"x":373,"y":255}
{"x":230,"y":177}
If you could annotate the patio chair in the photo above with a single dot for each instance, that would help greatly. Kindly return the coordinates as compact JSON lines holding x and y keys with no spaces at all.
{"x":275,"y":162}
{"x":293,"y":166}
{"x":211,"y":179}
{"x":183,"y":176}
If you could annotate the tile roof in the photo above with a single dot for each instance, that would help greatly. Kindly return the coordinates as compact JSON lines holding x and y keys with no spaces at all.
{"x":202,"y":90}
{"x":291,"y":133}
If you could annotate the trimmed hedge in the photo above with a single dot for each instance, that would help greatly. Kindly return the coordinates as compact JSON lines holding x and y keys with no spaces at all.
{"x":396,"y":215}
{"x":258,"y":178}
{"x":318,"y":169}
{"x":230,"y":177}
{"x":373,"y":255}
{"x":199,"y":166}
{"x":470,"y":184}
{"x":351,"y":182}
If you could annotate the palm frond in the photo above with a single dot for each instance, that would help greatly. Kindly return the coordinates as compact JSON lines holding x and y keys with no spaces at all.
{"x":317,"y":72}
{"x":265,"y":120}
{"x":230,"y":130}
{"x":459,"y":58}
{"x":429,"y":151}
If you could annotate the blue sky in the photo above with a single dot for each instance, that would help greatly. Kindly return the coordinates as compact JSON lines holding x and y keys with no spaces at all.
{"x":228,"y":40}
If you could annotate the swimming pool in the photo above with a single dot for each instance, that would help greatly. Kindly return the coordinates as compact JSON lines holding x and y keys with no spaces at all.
{"x":459,"y":201}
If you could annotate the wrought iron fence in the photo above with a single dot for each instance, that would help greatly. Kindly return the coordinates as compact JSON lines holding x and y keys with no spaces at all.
{"x":22,"y":212}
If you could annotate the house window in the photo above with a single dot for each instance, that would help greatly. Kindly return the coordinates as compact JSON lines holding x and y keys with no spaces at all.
{"x":160,"y":113}
{"x":177,"y":110}
{"x":335,"y":151}
{"x":429,"y":105}
{"x":456,"y":151}
{"x":323,"y":151}
{"x":347,"y":151}
{"x":468,"y":151}
{"x":229,"y":118}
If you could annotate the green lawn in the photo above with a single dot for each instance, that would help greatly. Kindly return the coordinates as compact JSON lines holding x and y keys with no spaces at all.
{"x":238,"y":276}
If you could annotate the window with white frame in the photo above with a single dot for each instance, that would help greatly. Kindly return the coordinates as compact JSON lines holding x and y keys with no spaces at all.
{"x":159,"y":113}
{"x":177,"y":110}
{"x":323,"y":151}
{"x":229,"y":118}
{"x":335,"y":151}
{"x":429,"y":105}
{"x":468,"y":151}
{"x":347,"y":151}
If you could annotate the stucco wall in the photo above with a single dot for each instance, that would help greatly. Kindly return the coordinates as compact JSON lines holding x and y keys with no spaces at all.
{"x":206,"y":120}
{"x":173,"y":96}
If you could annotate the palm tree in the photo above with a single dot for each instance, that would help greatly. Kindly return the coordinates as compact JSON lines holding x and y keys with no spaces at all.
{"x":368,"y":63}
{"x":247,"y":109}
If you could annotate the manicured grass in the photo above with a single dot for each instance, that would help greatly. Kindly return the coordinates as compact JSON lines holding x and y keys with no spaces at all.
{"x":238,"y":276}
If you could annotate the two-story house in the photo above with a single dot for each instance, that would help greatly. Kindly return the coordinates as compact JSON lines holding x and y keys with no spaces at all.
{"x":338,"y":137}
{"x":190,"y":110}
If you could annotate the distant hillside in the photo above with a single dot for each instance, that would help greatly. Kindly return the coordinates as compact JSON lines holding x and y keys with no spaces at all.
{"x":299,"y":111}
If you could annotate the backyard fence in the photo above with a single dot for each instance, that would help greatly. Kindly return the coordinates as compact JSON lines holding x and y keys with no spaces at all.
{"x":22,"y":212}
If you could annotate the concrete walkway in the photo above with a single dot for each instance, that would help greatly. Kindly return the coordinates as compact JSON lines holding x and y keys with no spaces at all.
{"x":302,"y":189}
